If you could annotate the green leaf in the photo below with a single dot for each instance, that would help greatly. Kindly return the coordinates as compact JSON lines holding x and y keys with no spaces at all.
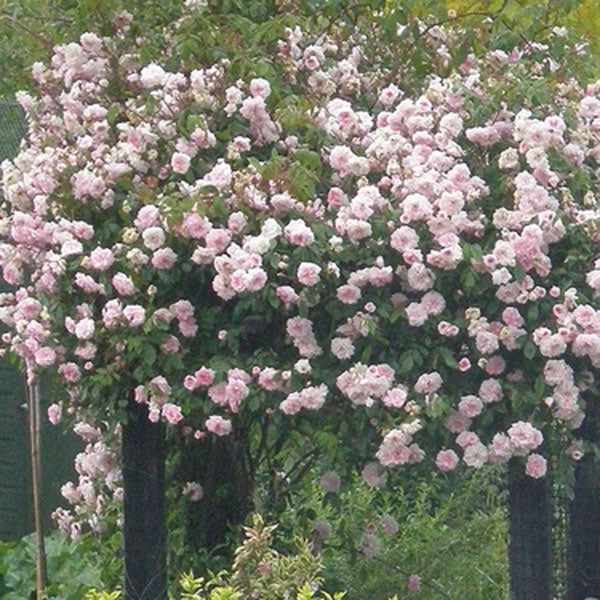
{"x":468,"y":279}
{"x":533,"y":313}
{"x":309,"y":159}
{"x":540,"y":386}
{"x":519,"y":273}
{"x":219,"y":208}
{"x":448,"y":358}
{"x":396,"y":314}
{"x":366,"y":353}
{"x":148,"y":355}
{"x":529,"y":350}
{"x":406,"y":363}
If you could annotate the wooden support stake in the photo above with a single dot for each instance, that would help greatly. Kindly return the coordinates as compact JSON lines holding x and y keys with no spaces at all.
{"x":33,"y":412}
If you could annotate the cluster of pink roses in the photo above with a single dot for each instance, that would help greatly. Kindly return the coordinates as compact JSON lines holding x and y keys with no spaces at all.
{"x":99,"y":482}
{"x":152,"y":221}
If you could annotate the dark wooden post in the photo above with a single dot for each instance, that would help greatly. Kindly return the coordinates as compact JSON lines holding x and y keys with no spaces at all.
{"x":144,"y":506}
{"x":583,"y":558}
{"x":530,"y":528}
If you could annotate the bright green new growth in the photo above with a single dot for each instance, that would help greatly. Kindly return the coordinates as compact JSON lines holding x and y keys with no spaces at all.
{"x":259,"y":571}
{"x":96,"y":595}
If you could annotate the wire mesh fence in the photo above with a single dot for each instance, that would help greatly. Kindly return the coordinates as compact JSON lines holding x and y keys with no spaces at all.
{"x":13,"y":127}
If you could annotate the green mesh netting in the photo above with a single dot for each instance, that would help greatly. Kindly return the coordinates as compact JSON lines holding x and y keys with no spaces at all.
{"x":13,"y":127}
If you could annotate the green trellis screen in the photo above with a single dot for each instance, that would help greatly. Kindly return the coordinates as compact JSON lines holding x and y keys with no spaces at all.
{"x":58,"y":449}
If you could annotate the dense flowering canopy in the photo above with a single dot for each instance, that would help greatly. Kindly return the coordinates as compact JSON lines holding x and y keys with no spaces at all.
{"x":213,"y":248}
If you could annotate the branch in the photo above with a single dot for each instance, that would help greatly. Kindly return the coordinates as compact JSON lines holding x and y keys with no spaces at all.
{"x":12,"y":22}
{"x":309,"y":456}
{"x":472,"y":13}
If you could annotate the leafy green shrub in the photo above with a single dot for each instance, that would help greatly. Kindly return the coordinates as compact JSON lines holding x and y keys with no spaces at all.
{"x":73,"y":566}
{"x":258,"y":572}
{"x":452,"y":534}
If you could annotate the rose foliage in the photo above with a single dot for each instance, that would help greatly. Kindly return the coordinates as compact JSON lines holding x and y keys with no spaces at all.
{"x":317,"y":247}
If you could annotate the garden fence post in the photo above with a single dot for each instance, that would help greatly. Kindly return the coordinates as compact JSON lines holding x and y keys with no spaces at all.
{"x":583,"y":558}
{"x":530,"y":529}
{"x":144,"y":506}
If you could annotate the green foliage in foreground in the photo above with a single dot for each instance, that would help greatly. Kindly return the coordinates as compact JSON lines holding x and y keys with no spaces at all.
{"x":452,"y":534}
{"x":73,"y":567}
{"x":258,"y":571}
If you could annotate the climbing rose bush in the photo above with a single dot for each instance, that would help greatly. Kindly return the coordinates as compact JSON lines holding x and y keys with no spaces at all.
{"x":322,"y":247}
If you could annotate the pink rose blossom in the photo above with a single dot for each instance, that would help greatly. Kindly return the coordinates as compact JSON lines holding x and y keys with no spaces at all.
{"x":470,"y":406}
{"x":433,"y":303}
{"x":287,"y":294}
{"x":446,"y":460}
{"x":164,"y":259}
{"x":220,"y":176}
{"x":152,"y":76}
{"x":457,"y":422}
{"x":490,"y":390}
{"x":170,"y":345}
{"x":218,"y":239}
{"x":308,"y":273}
{"x":190,"y":383}
{"x":135,"y":315}
{"x":475,"y":455}
{"x":172,"y":413}
{"x":416,"y":314}
{"x":153,"y":237}
{"x":260,"y":87}
{"x":464,"y":364}
{"x":54,"y":413}
{"x":112,"y":312}
{"x":204,"y":376}
{"x":194,"y":226}
{"x":342,"y":348}
{"x":123,"y":284}
{"x":218,"y":425}
{"x":495,"y":365}
{"x":70,"y":372}
{"x":45,"y":356}
{"x":536,"y":466}
{"x":511,"y":316}
{"x":486,"y":342}
{"x":348,"y":294}
{"x":147,"y":217}
{"x":428,"y":383}
{"x":180,"y":162}
{"x":396,"y":397}
{"x":84,"y":329}
{"x":524,"y":436}
{"x":101,"y":259}
{"x":467,"y":438}
{"x":298,"y":233}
